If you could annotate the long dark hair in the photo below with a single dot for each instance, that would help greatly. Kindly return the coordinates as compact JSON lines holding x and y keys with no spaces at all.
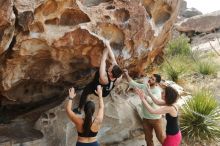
{"x":171,"y":95}
{"x":89,"y":110}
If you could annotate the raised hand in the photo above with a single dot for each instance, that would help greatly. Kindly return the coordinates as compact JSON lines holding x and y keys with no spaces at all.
{"x":125,"y":71}
{"x":163,"y":84}
{"x":107,"y":42}
{"x":72,"y":92}
{"x":99,"y":90}
{"x":110,"y":52}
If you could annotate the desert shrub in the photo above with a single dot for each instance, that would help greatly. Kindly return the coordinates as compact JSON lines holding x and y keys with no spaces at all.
{"x":200,"y":118}
{"x":206,"y":68}
{"x":178,"y":46}
{"x":175,"y":67}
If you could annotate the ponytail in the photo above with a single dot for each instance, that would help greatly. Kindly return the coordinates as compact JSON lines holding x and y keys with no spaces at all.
{"x":89,"y":110}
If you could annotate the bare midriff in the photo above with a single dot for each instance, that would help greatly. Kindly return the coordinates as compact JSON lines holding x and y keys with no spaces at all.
{"x":87,"y":139}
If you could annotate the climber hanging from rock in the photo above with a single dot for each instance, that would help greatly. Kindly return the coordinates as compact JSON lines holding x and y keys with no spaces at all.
{"x":107,"y":78}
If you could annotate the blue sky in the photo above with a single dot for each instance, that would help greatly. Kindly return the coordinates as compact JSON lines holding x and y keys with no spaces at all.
{"x":205,"y":6}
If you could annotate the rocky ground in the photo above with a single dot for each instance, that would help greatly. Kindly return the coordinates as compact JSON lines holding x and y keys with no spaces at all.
{"x":202,"y":45}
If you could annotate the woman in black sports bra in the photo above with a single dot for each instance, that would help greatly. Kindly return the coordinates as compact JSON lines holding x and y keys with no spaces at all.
{"x":88,"y":126}
{"x":103,"y":77}
{"x":173,"y":134}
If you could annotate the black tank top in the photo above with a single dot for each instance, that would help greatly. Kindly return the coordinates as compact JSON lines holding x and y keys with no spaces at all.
{"x":106,"y":89}
{"x":172,"y":127}
{"x":89,"y":134}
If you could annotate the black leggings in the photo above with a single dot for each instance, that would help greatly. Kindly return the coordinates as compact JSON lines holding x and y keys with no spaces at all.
{"x":87,"y":144}
{"x":89,"y":89}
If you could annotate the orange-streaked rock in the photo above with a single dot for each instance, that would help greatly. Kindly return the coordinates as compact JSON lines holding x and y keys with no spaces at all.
{"x":7,"y":21}
{"x":55,"y":44}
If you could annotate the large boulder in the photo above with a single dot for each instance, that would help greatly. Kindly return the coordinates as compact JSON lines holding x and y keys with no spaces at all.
{"x":46,"y":46}
{"x":190,"y":12}
{"x":187,"y":12}
{"x":201,"y":23}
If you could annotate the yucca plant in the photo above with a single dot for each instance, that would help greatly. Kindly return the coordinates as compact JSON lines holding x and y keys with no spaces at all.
{"x":172,"y":73}
{"x":206,"y":68}
{"x":200,"y":118}
{"x":175,"y":67}
{"x":178,"y":46}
